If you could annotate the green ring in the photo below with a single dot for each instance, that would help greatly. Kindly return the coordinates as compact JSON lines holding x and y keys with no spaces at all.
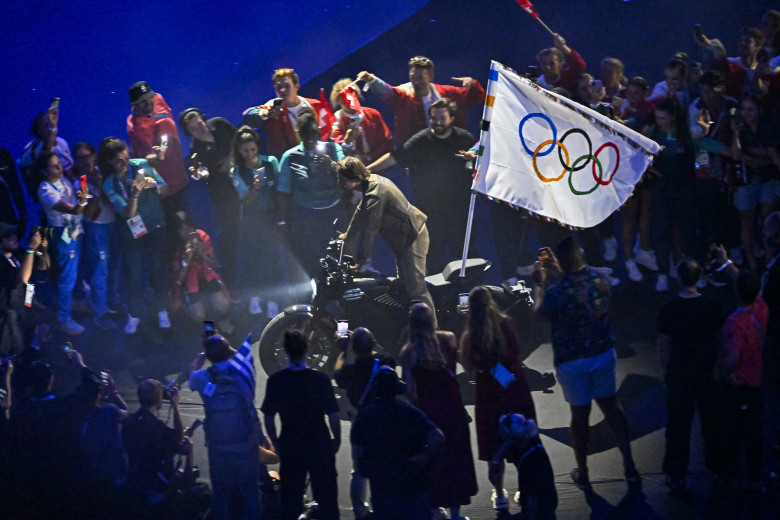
{"x":571,"y":174}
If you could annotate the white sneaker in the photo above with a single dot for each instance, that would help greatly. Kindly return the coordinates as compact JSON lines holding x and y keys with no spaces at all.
{"x":610,"y":249}
{"x":500,"y":502}
{"x":613,"y":281}
{"x":132,"y":325}
{"x":633,"y":271}
{"x":272,"y":309}
{"x":254,"y":306}
{"x":70,"y":326}
{"x":662,"y":284}
{"x":163,"y":320}
{"x":646,"y":258}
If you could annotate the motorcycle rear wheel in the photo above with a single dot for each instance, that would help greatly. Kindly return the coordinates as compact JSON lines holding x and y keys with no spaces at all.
{"x":321,"y":335}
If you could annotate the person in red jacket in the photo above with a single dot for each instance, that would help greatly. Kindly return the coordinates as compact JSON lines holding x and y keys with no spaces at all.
{"x":410,"y":101}
{"x":278,"y":116}
{"x":551,"y":61}
{"x":151,"y":127}
{"x":360,"y":130}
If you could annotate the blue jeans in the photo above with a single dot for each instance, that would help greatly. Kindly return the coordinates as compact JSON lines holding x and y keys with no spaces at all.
{"x":234,"y":473}
{"x":102,"y":259}
{"x":68,"y":265}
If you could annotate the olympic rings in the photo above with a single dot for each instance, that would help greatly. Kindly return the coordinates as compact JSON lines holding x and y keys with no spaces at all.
{"x":579,"y":164}
{"x":552,"y":127}
{"x":565,"y":165}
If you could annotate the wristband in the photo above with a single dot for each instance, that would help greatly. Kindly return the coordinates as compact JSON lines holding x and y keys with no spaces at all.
{"x":725,"y":265}
{"x":30,"y":251}
{"x":82,"y":204}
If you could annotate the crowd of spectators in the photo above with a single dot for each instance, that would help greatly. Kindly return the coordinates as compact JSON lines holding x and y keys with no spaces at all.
{"x":707,"y":206}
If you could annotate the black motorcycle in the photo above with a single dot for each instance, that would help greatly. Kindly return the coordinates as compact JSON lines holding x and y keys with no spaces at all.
{"x":377,"y":302}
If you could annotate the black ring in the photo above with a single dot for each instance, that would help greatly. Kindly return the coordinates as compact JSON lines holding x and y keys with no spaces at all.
{"x":590,"y":149}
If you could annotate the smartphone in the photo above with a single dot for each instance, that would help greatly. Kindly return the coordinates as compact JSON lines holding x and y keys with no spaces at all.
{"x":164,"y":142}
{"x":278,"y":102}
{"x":68,"y":350}
{"x":343,"y":328}
{"x":463,"y":302}
{"x":321,"y":148}
{"x":55,"y":104}
{"x":208,"y":328}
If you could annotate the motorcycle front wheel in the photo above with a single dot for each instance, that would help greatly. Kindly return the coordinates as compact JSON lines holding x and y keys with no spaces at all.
{"x":321,"y":334}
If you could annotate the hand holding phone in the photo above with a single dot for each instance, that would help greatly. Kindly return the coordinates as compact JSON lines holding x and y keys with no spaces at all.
{"x":208,"y":328}
{"x":343,"y":328}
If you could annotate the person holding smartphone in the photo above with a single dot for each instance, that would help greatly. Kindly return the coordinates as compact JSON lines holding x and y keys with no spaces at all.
{"x":134,"y":189}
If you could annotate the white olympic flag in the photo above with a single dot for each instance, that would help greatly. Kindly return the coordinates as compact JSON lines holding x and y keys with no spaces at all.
{"x":553,"y":156}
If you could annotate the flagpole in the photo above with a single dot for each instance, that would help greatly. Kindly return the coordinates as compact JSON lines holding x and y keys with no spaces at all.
{"x":472,"y":203}
{"x":545,"y":26}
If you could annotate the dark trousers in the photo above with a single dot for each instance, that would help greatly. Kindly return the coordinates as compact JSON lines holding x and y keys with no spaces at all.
{"x":318,"y":461}
{"x":390,"y":505}
{"x":144,"y":257}
{"x":685,"y":396}
{"x":509,"y":227}
{"x":673,"y":205}
{"x":739,"y":422}
{"x":234,"y":474}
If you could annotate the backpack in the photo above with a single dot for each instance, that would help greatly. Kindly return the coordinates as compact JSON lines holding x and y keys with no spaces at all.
{"x":229,"y":417}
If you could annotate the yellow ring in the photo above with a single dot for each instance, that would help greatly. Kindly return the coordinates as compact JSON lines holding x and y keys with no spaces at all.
{"x":536,"y":169}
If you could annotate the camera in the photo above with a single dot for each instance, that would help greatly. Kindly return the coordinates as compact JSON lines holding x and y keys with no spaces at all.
{"x":45,"y":231}
{"x":168,"y":390}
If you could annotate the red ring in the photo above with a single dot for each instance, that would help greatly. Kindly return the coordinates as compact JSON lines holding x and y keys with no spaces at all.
{"x":617,"y":163}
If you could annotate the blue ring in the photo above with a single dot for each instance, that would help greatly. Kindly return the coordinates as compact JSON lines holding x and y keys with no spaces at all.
{"x":552,"y":127}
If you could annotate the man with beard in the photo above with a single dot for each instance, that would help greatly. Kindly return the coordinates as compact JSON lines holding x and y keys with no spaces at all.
{"x":440,"y":179}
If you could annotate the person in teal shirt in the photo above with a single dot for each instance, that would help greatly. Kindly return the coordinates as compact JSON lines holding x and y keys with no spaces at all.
{"x":134,"y":189}
{"x":255,"y":177}
{"x":310,"y":197}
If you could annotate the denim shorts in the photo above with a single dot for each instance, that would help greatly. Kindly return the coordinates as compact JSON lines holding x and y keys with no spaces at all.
{"x":749,"y":196}
{"x":584,"y":380}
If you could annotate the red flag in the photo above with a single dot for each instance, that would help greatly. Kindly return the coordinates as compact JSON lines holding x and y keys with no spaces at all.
{"x":349,"y":96}
{"x":327,"y":118}
{"x":528,"y":7}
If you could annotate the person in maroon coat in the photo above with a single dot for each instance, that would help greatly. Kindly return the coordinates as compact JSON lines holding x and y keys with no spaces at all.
{"x":360,"y":130}
{"x":551,"y":63}
{"x":410,"y":101}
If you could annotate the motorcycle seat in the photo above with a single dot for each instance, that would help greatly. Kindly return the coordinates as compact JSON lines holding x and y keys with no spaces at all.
{"x":452,"y":270}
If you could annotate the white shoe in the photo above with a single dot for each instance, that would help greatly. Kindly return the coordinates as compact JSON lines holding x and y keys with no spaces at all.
{"x":613,"y":281}
{"x":70,"y":326}
{"x":610,"y":249}
{"x":163,"y":320}
{"x":254,"y":306}
{"x":662,"y":284}
{"x":272,"y":309}
{"x":500,"y":502}
{"x":132,"y":325}
{"x":633,"y":271}
{"x":646,"y":258}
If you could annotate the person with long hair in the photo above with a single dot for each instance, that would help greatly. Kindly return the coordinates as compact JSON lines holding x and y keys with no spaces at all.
{"x":489,"y":347}
{"x":429,"y":362}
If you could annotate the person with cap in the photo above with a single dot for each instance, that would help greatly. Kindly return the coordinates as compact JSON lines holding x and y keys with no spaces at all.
{"x":152,"y":135}
{"x":536,"y":492}
{"x":303,"y":398}
{"x":395,"y":444}
{"x":15,"y":273}
{"x":384,"y":210}
{"x":279,"y":116}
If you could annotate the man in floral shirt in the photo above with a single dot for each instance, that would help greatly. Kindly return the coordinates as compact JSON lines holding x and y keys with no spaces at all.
{"x":577,"y":306}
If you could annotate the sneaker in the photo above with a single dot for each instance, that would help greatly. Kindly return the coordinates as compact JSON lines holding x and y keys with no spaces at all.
{"x":104,"y":322}
{"x":272,"y":309}
{"x":610,"y":249}
{"x":633,"y":271}
{"x":646,"y":258}
{"x":254,"y":306}
{"x":69,"y":326}
{"x":662,"y":284}
{"x":132,"y":325}
{"x":163,"y":320}
{"x":613,"y":281}
{"x":580,"y":480}
{"x":500,"y":502}
{"x":517,"y":497}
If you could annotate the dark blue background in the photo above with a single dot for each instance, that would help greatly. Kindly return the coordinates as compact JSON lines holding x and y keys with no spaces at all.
{"x":219,"y":55}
